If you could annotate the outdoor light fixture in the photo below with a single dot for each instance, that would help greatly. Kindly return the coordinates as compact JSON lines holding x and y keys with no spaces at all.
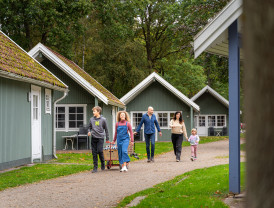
{"x":29,"y":96}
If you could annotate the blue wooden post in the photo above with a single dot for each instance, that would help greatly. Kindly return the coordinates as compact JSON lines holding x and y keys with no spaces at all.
{"x":234,"y":109}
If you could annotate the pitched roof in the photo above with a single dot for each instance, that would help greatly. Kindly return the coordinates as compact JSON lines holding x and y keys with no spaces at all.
{"x":150,"y":79}
{"x":212,"y":92}
{"x":78,"y":74}
{"x":15,"y":63}
{"x":213,"y":38}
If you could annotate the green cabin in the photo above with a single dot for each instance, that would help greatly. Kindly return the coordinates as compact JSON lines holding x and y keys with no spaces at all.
{"x":27,"y":95}
{"x":213,"y":116}
{"x":75,"y":109}
{"x":165,"y":99}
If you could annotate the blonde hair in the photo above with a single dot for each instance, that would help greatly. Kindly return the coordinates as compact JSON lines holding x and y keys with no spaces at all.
{"x":194,"y":130}
{"x":126,"y":116}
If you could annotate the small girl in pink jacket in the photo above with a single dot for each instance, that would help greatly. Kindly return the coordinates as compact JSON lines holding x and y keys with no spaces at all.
{"x":194,"y":140}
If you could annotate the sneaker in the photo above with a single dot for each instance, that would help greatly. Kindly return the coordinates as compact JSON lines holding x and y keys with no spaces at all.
{"x":94,"y":170}
{"x":152,"y":159}
{"x":195,"y":158}
{"x":148,"y":160}
{"x":124,"y":169}
{"x":191,"y":158}
{"x":177,"y":160}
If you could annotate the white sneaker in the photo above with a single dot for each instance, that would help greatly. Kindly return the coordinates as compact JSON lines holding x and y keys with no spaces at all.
{"x":124,"y":169}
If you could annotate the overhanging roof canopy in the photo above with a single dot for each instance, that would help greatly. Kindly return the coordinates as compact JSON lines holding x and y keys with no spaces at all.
{"x":214,"y":36}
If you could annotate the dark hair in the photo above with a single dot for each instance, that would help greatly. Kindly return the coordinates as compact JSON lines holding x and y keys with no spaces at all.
{"x":181,"y":117}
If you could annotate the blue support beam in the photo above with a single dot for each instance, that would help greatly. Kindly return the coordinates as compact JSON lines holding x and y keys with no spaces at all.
{"x":234,"y":108}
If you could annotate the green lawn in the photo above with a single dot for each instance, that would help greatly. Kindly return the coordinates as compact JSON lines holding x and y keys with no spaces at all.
{"x":199,"y":188}
{"x":37,"y":173}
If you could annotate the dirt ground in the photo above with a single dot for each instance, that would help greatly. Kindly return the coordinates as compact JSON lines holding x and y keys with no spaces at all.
{"x":107,"y":188}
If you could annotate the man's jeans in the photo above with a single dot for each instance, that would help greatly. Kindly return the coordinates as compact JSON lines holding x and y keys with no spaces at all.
{"x":148,"y":138}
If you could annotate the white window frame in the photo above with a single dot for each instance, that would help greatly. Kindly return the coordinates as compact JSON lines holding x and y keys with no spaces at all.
{"x":206,"y":120}
{"x":47,"y":101}
{"x":67,"y":129}
{"x":168,"y":117}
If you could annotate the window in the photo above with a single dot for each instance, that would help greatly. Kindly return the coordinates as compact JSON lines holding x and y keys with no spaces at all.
{"x":48,"y":101}
{"x":60,"y":117}
{"x":171,"y":115}
{"x":35,"y":107}
{"x":163,"y":119}
{"x":220,"y":120}
{"x":76,"y":117}
{"x":136,"y":119}
{"x":201,"y":120}
{"x":211,"y":121}
{"x":70,"y":117}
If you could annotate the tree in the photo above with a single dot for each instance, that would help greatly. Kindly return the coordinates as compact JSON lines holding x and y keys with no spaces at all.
{"x":52,"y":22}
{"x":186,"y":77}
{"x":167,"y":27}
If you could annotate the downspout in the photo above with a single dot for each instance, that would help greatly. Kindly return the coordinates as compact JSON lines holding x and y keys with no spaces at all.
{"x":191,"y":117}
{"x":54,"y":122}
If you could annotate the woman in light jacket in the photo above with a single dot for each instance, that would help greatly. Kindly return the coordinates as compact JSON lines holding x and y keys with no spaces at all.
{"x":178,"y":129}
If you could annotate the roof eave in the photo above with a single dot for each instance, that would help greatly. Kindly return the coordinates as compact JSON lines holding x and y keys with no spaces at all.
{"x":16,"y":77}
{"x":215,"y":28}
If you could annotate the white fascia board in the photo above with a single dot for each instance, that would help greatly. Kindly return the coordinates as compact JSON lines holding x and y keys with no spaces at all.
{"x":216,"y":27}
{"x":147,"y":81}
{"x":16,"y":77}
{"x":75,"y":76}
{"x":212,"y":92}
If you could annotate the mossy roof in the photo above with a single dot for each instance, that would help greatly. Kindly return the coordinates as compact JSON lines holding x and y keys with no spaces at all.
{"x":87,"y":77}
{"x":14,"y":59}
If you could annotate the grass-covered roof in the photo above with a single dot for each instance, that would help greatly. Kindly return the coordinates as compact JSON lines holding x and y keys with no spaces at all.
{"x":15,"y":60}
{"x":88,"y":78}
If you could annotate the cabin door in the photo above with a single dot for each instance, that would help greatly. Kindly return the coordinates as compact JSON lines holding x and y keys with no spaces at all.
{"x":36,"y":123}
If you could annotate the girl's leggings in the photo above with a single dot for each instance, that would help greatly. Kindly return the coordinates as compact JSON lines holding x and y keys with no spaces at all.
{"x":194,"y":150}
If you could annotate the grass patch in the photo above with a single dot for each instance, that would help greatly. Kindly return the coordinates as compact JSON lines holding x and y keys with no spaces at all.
{"x":199,"y":188}
{"x":242,"y":147}
{"x":76,"y":158}
{"x":37,"y":173}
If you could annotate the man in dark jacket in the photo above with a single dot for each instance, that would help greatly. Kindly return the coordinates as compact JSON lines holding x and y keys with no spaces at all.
{"x":98,"y":130}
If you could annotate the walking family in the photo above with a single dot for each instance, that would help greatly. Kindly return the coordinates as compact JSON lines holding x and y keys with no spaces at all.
{"x":124,"y":135}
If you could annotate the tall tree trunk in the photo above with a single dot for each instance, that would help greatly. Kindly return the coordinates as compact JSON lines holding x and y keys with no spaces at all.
{"x":259,"y":101}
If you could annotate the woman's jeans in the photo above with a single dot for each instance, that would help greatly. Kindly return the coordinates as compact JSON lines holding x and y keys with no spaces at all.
{"x":177,"y":140}
{"x":150,"y":138}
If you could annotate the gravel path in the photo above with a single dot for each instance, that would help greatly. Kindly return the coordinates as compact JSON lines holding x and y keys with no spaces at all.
{"x":107,"y":188}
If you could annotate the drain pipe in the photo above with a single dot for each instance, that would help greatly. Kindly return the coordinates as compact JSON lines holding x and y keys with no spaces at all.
{"x":54,"y":122}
